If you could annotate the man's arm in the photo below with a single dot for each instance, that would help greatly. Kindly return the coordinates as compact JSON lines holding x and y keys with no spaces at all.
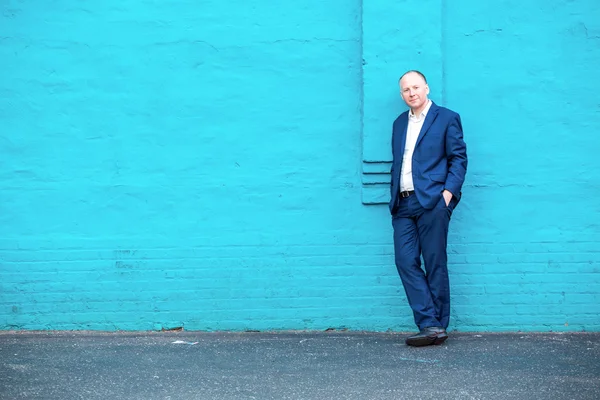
{"x":393,"y":158}
{"x":456,"y":154}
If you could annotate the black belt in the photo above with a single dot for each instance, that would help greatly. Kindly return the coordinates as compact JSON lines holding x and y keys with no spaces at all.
{"x":406,"y":193}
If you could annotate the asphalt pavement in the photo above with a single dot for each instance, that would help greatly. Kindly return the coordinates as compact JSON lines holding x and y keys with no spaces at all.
{"x":297,"y":365}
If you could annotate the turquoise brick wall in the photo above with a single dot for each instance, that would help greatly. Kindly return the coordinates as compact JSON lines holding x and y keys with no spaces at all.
{"x":223,"y":166}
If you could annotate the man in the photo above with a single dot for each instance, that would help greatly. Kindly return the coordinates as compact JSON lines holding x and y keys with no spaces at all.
{"x":428,"y":171}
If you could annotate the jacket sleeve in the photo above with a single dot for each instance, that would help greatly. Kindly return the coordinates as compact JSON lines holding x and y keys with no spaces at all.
{"x":456,"y":153}
{"x":392,"y":167}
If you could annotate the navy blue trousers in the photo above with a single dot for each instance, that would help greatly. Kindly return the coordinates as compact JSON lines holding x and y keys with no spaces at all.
{"x":417,"y":232}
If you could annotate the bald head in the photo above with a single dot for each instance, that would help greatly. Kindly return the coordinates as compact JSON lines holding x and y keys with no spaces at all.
{"x":413,"y":71}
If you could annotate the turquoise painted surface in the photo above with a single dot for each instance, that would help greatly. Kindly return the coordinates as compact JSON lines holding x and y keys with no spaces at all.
{"x":202,"y":165}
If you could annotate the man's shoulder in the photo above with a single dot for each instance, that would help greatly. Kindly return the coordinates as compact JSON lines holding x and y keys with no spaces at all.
{"x":446,"y":112}
{"x":403,"y":116}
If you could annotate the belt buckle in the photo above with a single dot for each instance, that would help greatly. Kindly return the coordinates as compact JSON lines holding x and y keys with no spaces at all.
{"x":404,"y":194}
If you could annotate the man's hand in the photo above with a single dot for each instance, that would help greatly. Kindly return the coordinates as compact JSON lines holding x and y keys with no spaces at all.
{"x":447,"y":196}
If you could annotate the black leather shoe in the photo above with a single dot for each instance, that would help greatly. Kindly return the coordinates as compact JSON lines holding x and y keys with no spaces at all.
{"x":428,"y":336}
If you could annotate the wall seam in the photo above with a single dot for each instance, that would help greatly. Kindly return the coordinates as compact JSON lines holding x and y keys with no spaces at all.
{"x":443,"y":46}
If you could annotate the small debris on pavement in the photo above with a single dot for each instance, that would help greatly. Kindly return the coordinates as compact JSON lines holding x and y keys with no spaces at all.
{"x":183,"y":342}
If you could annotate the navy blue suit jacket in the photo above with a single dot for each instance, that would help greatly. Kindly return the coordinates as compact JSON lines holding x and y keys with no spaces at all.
{"x":439,"y":160}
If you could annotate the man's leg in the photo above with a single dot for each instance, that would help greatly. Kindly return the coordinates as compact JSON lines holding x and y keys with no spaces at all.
{"x":432,"y":226}
{"x":407,"y":251}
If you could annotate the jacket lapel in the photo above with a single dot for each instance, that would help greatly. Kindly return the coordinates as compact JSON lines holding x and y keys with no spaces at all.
{"x":431,"y":116}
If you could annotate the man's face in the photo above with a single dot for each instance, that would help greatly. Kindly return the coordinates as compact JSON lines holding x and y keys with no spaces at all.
{"x":414,"y":90}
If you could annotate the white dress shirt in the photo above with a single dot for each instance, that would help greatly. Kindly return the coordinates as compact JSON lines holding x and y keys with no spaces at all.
{"x":415,"y":123}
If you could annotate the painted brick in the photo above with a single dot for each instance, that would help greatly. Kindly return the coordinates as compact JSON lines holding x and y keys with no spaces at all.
{"x":222,"y":166}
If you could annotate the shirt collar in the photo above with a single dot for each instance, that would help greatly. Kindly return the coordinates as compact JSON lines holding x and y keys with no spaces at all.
{"x":423,"y":113}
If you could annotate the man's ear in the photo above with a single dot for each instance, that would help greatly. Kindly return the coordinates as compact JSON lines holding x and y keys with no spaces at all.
{"x":427,"y":89}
